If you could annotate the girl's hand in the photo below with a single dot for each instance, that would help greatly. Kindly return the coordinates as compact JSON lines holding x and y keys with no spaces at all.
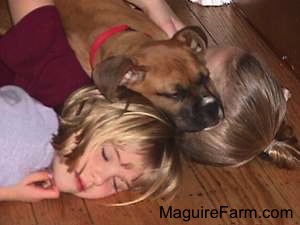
{"x":32,"y":188}
{"x":160,"y":12}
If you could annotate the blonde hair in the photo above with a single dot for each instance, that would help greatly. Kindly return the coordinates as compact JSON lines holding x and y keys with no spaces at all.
{"x":87,"y":117}
{"x":255,"y":121}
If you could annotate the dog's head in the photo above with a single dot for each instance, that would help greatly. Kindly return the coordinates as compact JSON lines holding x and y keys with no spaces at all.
{"x":171,"y":74}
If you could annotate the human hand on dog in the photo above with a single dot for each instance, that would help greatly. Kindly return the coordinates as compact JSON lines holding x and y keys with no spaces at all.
{"x":160,"y":12}
{"x":35,"y":187}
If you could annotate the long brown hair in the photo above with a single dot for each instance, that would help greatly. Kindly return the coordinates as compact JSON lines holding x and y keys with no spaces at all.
{"x":255,"y":123}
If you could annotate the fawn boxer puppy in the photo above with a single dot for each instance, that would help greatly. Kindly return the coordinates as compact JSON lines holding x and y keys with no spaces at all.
{"x":121,"y":46}
{"x":170,"y":73}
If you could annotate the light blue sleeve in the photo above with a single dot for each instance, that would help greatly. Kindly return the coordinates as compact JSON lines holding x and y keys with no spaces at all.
{"x":26,"y":128}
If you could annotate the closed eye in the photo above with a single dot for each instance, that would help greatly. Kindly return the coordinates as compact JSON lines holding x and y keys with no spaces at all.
{"x":115,"y":184}
{"x":179,"y":95}
{"x":174,"y":95}
{"x":119,"y":184}
{"x":104,"y":155}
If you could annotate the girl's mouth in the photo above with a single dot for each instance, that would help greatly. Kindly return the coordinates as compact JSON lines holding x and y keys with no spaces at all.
{"x":79,"y":183}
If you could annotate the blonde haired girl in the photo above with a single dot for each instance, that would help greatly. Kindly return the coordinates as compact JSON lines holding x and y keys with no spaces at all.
{"x":91,"y":125}
{"x":101,"y":148}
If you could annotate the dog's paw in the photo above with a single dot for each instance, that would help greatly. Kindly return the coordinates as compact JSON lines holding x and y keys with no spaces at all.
{"x":212,"y":2}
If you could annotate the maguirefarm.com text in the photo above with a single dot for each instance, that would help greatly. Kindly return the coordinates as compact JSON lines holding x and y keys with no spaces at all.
{"x":203,"y":213}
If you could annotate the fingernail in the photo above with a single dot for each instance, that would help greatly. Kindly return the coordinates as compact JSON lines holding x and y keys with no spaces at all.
{"x":50,"y":175}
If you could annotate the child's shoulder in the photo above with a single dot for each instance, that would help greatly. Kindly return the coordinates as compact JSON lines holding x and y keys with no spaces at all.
{"x":12,"y":95}
{"x":17,"y":104}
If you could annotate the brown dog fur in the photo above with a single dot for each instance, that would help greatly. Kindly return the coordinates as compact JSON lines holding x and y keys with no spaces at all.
{"x":169,"y":72}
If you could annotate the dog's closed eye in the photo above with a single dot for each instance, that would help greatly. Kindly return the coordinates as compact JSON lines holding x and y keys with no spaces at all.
{"x":178,"y":95}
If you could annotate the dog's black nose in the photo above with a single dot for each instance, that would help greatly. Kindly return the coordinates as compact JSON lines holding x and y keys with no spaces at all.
{"x":202,"y":114}
{"x":212,"y":109}
{"x":209,"y":110}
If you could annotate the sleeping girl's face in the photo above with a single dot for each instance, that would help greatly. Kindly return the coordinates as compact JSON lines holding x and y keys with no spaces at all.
{"x":100,"y":172}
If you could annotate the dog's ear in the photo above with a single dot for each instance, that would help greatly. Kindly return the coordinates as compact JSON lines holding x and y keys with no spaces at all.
{"x":130,"y":96}
{"x":192,"y":36}
{"x":116,"y":71}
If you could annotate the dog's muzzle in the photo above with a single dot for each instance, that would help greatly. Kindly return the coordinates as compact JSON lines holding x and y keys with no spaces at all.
{"x":202,"y":114}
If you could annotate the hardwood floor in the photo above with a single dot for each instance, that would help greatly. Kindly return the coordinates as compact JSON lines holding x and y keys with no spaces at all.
{"x":257,"y":185}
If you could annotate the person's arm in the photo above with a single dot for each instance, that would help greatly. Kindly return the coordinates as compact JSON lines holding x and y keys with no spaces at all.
{"x":161,"y":13}
{"x":19,"y":9}
{"x":28,"y":190}
{"x":32,"y":124}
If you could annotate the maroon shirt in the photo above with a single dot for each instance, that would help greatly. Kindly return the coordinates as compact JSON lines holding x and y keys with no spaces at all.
{"x":36,"y":56}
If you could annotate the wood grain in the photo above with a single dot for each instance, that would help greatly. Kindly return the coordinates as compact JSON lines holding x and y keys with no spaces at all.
{"x":16,"y":214}
{"x":257,"y":185}
{"x":66,"y":210}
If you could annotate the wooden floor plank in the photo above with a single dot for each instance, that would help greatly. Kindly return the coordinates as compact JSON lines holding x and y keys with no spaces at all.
{"x":68,"y":210}
{"x":140,"y":214}
{"x":247,"y":187}
{"x":257,"y":185}
{"x":192,"y":196}
{"x":16,"y":214}
{"x":288,"y":184}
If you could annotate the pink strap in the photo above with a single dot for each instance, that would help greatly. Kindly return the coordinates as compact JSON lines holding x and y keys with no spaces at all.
{"x":101,"y":39}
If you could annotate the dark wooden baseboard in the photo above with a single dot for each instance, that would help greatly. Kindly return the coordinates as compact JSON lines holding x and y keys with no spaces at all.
{"x":278,"y":22}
